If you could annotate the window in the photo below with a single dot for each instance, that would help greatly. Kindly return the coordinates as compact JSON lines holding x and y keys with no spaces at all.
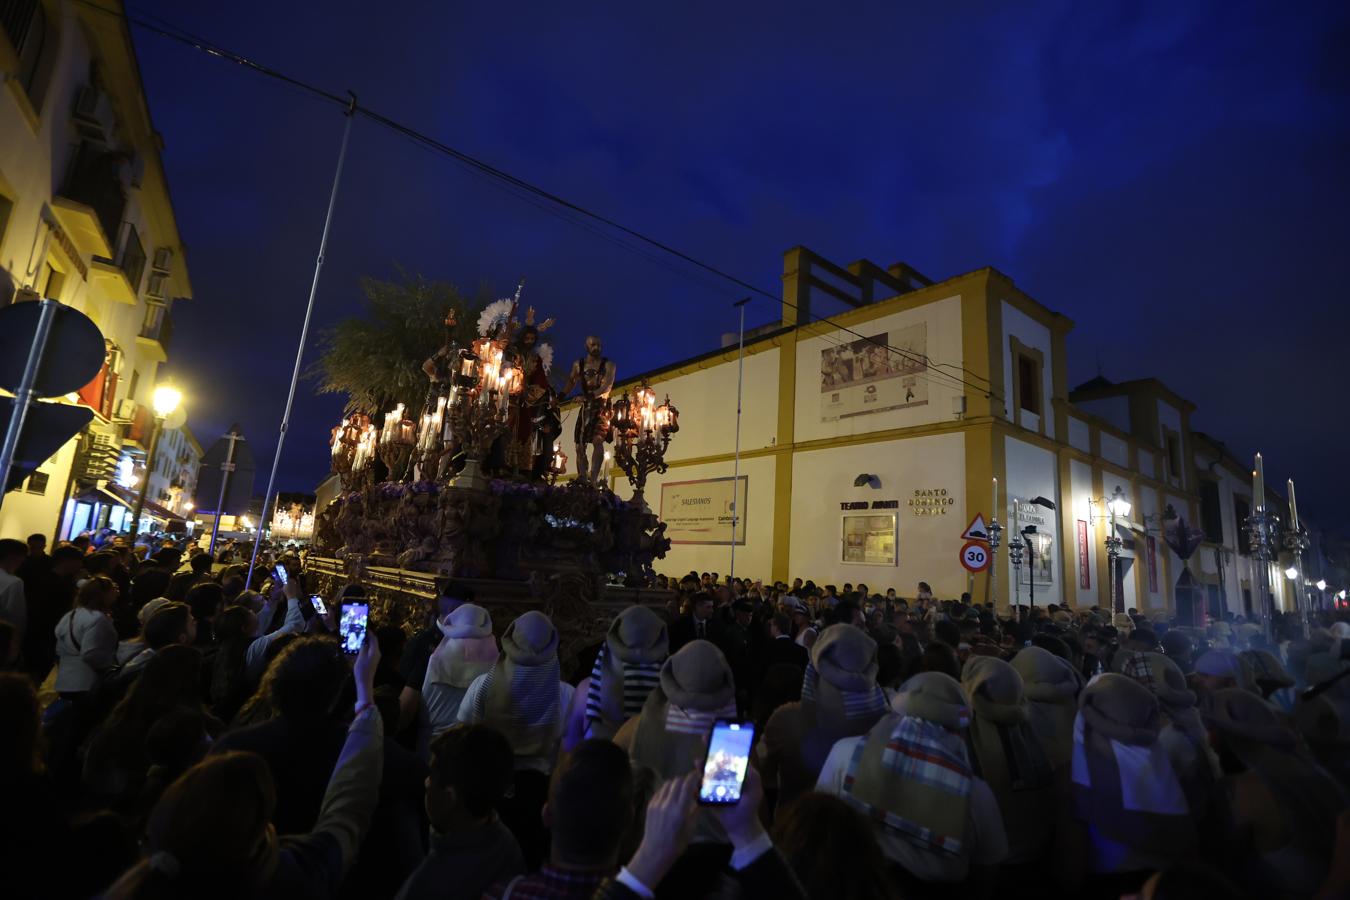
{"x":33,"y":35}
{"x":1211,"y":511}
{"x":1173,"y":455}
{"x":133,"y":259}
{"x":1028,"y":385}
{"x":37,"y":483}
{"x":1241,"y":510}
{"x":54,"y":281}
{"x":6,"y":207}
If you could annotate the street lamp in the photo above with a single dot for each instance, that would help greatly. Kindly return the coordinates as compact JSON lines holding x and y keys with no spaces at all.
{"x":1291,"y":573}
{"x":164,"y":401}
{"x":1118,"y":506}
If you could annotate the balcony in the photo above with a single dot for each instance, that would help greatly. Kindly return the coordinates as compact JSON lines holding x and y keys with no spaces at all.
{"x":155,"y":334}
{"x":92,"y":199}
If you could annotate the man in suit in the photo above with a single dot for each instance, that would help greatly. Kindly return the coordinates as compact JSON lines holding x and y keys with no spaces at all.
{"x":700,"y":624}
{"x":781,"y":648}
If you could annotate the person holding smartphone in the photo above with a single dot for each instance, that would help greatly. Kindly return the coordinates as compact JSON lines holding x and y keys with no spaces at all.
{"x":255,"y":658}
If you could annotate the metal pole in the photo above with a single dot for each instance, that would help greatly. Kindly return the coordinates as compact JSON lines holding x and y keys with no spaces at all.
{"x":304,"y":332}
{"x":145,"y":482}
{"x":736,"y":466}
{"x":225,"y":469}
{"x":23,"y":397}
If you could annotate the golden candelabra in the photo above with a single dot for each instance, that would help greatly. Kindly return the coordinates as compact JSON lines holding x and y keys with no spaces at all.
{"x":642,"y":431}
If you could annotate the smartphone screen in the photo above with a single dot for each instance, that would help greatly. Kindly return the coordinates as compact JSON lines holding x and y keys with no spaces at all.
{"x":727,"y":761}
{"x":317,"y":602}
{"x":352,"y":626}
{"x":279,"y":573}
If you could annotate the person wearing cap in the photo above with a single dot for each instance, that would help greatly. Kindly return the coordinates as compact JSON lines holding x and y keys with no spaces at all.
{"x":1182,"y":734}
{"x":1129,"y":815}
{"x":131,"y":647}
{"x":1050,"y":685}
{"x":670,"y":735}
{"x":523,"y":695}
{"x":911,"y":776}
{"x":466,"y":651}
{"x":1278,"y":808}
{"x":840,"y":698}
{"x":1217,"y":670}
{"x":627,"y":667}
{"x":416,"y":657}
{"x":1006,"y":753}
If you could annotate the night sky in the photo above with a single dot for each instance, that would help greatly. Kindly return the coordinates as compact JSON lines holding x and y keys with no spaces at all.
{"x":1175,"y":178}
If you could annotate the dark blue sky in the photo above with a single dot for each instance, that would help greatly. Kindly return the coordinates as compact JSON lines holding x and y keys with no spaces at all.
{"x":1173,"y":177}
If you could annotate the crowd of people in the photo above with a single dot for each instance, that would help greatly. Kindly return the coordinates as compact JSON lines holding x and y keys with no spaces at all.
{"x":171,"y":730}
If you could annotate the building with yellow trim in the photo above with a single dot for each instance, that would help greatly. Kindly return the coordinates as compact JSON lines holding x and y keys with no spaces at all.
{"x":86,"y":219}
{"x":869,"y":442}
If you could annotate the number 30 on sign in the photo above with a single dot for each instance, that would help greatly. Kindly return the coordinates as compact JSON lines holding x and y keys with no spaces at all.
{"x":975,"y":557}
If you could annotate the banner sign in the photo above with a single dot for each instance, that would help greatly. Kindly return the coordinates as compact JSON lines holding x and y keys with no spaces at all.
{"x":865,"y":376}
{"x":700,"y":512}
{"x":1152,"y":547}
{"x":1084,"y":573}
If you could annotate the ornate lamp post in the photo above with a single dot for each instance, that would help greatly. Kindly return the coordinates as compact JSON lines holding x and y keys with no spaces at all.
{"x":1118,"y":505}
{"x":1015,"y":548}
{"x":1296,"y":541}
{"x":164,"y":401}
{"x":642,"y":433}
{"x":1260,"y":534}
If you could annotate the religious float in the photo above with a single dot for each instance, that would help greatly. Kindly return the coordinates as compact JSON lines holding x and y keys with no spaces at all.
{"x":470,"y":489}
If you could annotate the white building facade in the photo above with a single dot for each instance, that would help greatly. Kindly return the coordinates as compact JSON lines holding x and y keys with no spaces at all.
{"x":85,"y":219}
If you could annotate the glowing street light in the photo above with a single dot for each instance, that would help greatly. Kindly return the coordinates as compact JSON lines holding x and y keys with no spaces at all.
{"x":164,"y":401}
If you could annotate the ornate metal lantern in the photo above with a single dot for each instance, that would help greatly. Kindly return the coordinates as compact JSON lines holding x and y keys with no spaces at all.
{"x":642,"y":433}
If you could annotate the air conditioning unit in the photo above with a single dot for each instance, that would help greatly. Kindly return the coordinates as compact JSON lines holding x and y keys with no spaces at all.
{"x":126,"y":409}
{"x":163,"y":259}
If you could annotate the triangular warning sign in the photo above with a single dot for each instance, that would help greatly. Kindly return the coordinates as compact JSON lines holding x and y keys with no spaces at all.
{"x":977,"y":530}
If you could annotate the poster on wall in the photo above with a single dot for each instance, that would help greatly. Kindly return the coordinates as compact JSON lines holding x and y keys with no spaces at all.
{"x":700,"y":512}
{"x":1039,"y":560}
{"x":870,"y":540}
{"x":1084,"y":573}
{"x":865,"y":376}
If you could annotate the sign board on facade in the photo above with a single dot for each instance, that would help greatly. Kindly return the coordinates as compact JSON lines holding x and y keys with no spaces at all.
{"x":1151,"y":546}
{"x":700,"y":512}
{"x":870,"y":540}
{"x":867,"y":376}
{"x":931,"y":502}
{"x":975,"y":556}
{"x":1084,"y":573}
{"x":977,"y":530}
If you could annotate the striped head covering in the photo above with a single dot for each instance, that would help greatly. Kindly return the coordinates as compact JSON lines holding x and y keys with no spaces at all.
{"x":840,"y":683}
{"x":626,"y":669}
{"x":521,"y":695}
{"x":1123,"y":782}
{"x":912,"y":774}
{"x":467,"y":648}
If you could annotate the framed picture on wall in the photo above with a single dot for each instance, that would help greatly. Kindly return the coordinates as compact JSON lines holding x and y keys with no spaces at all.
{"x":870,"y":539}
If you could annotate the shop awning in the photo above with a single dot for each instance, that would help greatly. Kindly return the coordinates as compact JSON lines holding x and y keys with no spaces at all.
{"x":128,"y":499}
{"x":100,"y":495}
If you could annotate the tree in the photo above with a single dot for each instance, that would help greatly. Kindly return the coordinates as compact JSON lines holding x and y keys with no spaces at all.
{"x":376,"y":358}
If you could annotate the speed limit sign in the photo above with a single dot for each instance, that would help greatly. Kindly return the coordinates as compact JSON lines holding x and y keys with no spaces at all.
{"x":975,"y":557}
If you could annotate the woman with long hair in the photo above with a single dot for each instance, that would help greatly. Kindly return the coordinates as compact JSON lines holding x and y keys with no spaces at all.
{"x":211,"y":833}
{"x":115,"y":762}
{"x":86,"y":639}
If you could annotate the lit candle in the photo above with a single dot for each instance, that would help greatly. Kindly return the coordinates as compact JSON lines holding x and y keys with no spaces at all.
{"x":995,"y":506}
{"x":1293,"y":507}
{"x":1259,"y":484}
